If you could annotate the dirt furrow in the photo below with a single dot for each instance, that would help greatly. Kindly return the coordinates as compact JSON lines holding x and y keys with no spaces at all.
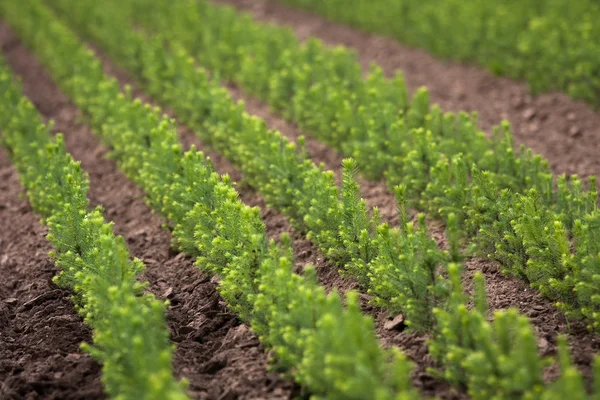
{"x":218,"y":355}
{"x":563,"y":130}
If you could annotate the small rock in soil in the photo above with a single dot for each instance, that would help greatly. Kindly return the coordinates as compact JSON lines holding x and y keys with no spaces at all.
{"x":167,"y":293}
{"x":74,"y":356}
{"x":518,"y":102}
{"x":529,"y":114}
{"x":574,"y":131}
{"x":542,"y":344}
{"x":179,"y":257}
{"x":534,"y":127}
{"x":143,"y":231}
{"x":395,"y":324}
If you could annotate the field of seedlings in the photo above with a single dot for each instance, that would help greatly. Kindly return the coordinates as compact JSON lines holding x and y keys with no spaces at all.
{"x":238,"y":199}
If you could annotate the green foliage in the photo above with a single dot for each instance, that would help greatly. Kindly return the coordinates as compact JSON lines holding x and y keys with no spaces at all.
{"x":407,"y":275}
{"x":585,"y":275}
{"x":573,"y":202}
{"x":448,"y":189}
{"x":322,"y":89}
{"x":328,"y":348}
{"x":494,"y":360}
{"x":352,"y":356}
{"x":338,"y":222}
{"x":99,"y":269}
{"x":237,"y":247}
{"x":314,"y":338}
{"x":533,"y":243}
{"x":130,"y":335}
{"x":285,"y":305}
{"x":550,"y":44}
{"x":357,"y":229}
{"x":546,"y":244}
{"x":447,"y":164}
{"x":296,"y":315}
{"x":291,"y":313}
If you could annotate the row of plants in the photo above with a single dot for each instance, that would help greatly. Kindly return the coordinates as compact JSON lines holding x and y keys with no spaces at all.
{"x":550,"y":44}
{"x":506,"y":201}
{"x":496,"y":359}
{"x":130,"y":335}
{"x":335,"y":219}
{"x":329,"y":348}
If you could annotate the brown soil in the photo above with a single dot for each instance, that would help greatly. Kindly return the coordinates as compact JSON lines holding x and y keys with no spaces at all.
{"x":220,"y":357}
{"x":563,"y":130}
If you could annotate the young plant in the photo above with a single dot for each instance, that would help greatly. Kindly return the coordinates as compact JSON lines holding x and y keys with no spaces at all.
{"x":493,"y":360}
